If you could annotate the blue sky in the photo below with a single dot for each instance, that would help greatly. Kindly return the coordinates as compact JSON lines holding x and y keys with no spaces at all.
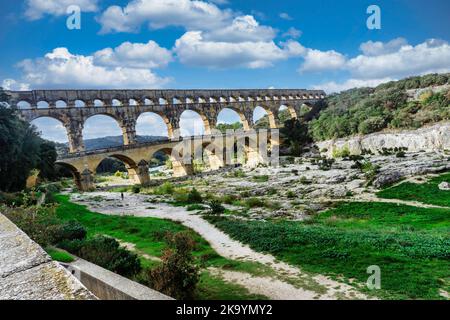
{"x":219,"y":44}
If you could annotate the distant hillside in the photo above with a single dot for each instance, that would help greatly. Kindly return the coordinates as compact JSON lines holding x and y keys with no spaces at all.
{"x":105,"y":142}
{"x":390,"y":105}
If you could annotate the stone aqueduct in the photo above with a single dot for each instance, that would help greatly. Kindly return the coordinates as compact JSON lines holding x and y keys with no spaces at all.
{"x":73,"y":107}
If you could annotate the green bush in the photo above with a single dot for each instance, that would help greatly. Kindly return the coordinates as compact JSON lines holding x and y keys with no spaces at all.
{"x":194,"y":196}
{"x":107,"y":253}
{"x":72,"y":230}
{"x":178,"y":275}
{"x":136,"y":189}
{"x":216,"y":207}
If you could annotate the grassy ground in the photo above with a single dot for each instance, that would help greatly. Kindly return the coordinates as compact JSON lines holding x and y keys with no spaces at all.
{"x":147,"y":234}
{"x":427,"y":192}
{"x":411,"y":245}
{"x":59,"y":255}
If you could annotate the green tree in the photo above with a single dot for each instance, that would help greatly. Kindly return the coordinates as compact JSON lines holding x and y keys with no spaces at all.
{"x":21,"y":149}
{"x":295,"y":135}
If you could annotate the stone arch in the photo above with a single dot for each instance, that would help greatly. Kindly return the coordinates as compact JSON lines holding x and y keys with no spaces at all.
{"x":103,"y":125}
{"x":23,"y":104}
{"x":81,"y":183}
{"x":116,"y":103}
{"x":42,"y":104}
{"x":60,"y":104}
{"x":153,"y":116}
{"x":79,"y":103}
{"x":135,"y":172}
{"x":133,"y":102}
{"x":290,"y":109}
{"x":258,"y":113}
{"x":179,"y":168}
{"x":98,"y":103}
{"x":194,"y":123}
{"x":51,"y":131}
{"x":237,"y":115}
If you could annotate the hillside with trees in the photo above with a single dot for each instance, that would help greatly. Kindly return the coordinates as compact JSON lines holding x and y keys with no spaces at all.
{"x":387,"y":106}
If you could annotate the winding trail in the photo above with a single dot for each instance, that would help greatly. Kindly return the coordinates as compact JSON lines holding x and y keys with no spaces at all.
{"x":315,"y":286}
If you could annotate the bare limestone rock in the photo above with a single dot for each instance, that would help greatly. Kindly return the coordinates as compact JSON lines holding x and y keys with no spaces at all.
{"x":444,"y":186}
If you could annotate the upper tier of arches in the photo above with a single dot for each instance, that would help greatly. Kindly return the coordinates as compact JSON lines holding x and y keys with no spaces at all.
{"x":92,"y":98}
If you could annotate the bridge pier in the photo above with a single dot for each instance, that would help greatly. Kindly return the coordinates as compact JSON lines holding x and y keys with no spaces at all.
{"x":75,"y":136}
{"x":86,"y":181}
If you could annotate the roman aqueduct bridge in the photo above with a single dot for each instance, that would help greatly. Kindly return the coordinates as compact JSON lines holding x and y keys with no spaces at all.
{"x":73,"y":107}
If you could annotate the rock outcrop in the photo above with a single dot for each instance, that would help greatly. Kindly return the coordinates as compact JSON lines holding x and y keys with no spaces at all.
{"x":433,"y":138}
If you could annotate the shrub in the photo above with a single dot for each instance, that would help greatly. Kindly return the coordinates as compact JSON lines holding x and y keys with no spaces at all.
{"x":341,"y":153}
{"x":178,"y":274}
{"x":107,"y":253}
{"x":290,"y":194}
{"x":72,"y":230}
{"x":39,"y":223}
{"x":194,"y":196}
{"x":136,"y":189}
{"x":165,"y":188}
{"x":400,"y":154}
{"x":216,"y":207}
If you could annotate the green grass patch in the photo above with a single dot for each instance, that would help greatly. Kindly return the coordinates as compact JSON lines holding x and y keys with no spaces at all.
{"x":59,"y":255}
{"x":427,"y":192}
{"x":148,"y":236}
{"x":346,"y":240}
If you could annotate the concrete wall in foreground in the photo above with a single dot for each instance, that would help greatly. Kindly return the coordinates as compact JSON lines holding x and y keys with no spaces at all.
{"x":107,"y":285}
{"x":28,"y":273}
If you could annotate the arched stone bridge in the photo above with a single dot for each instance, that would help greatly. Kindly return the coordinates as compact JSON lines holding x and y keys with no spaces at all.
{"x":73,"y":107}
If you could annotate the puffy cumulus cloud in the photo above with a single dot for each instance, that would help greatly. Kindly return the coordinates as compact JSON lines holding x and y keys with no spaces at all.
{"x":243,"y":28}
{"x":36,"y":9}
{"x":381,"y":62}
{"x":192,"y":49}
{"x":11,"y":84}
{"x":427,"y":57}
{"x":371,"y":48}
{"x":316,"y":60}
{"x":134,"y":55}
{"x":60,"y":68}
{"x":332,"y":86}
{"x":190,"y":14}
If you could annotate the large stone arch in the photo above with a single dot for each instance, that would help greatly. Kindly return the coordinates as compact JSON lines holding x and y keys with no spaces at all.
{"x":243,"y":118}
{"x":164,"y":117}
{"x":121,"y":123}
{"x":271,"y":114}
{"x":206,"y":127}
{"x":53,"y":118}
{"x":80,"y":181}
{"x":180,"y":168}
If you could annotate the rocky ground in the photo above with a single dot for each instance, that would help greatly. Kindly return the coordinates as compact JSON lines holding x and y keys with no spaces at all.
{"x":302,"y":186}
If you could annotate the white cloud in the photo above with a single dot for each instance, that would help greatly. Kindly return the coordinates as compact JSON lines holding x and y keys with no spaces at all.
{"x":192,"y":15}
{"x":382,"y":62}
{"x":427,"y":57}
{"x":243,"y":28}
{"x":36,"y":9}
{"x":293,"y":33}
{"x":193,"y":49}
{"x":285,"y":16}
{"x":60,"y":68}
{"x":11,"y":84}
{"x":134,"y":55}
{"x":316,"y":60}
{"x":371,"y":48}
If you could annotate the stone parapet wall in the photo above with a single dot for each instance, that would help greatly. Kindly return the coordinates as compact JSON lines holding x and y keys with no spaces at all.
{"x":28,"y":273}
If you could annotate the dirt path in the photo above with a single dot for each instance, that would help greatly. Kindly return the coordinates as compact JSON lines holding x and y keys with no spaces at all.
{"x":307,"y":287}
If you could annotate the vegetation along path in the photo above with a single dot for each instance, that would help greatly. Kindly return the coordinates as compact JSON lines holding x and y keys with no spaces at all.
{"x":295,"y":283}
